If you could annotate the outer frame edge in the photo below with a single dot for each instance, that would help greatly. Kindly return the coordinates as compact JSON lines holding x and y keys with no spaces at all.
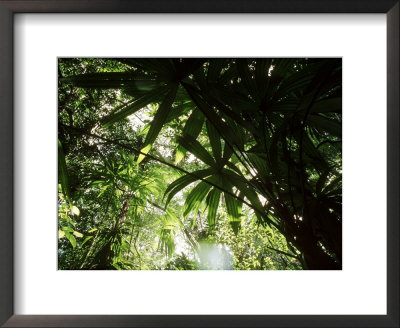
{"x":6,"y":198}
{"x":204,"y":6}
{"x":6,"y":164}
{"x":393,"y":168}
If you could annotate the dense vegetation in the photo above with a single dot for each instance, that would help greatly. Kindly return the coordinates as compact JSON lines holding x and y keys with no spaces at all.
{"x":199,"y":163}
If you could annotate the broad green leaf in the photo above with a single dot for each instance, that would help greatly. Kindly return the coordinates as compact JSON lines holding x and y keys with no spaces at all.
{"x":180,"y":154}
{"x":261,"y":75}
{"x":215,"y":141}
{"x":224,"y":97}
{"x":321,"y":77}
{"x":333,"y":185}
{"x":274,"y":154}
{"x":212,"y":202}
{"x":288,"y":105}
{"x":97,"y":182}
{"x":144,"y":151}
{"x":61,"y":234}
{"x":184,"y":181}
{"x":75,"y":210}
{"x":195,"y":197}
{"x":179,"y":109}
{"x":228,"y":151}
{"x":145,"y":130}
{"x":282,"y":66}
{"x":71,"y":239}
{"x":245,"y":189}
{"x":233,"y":206}
{"x":325,"y":124}
{"x":260,"y":163}
{"x":296,"y":82}
{"x":247,"y":77}
{"x":67,"y":229}
{"x":214,"y":69}
{"x":231,"y":104}
{"x":103,"y":190}
{"x":192,"y":128}
{"x":152,"y":96}
{"x":223,"y":128}
{"x":327,"y":105}
{"x":193,"y":146}
{"x":158,"y":121}
{"x":321,"y":182}
{"x":77,"y":234}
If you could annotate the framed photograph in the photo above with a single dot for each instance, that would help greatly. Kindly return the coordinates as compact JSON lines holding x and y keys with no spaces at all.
{"x":199,"y":164}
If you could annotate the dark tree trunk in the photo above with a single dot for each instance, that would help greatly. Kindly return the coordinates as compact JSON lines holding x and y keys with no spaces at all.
{"x":316,"y":259}
{"x":314,"y":256}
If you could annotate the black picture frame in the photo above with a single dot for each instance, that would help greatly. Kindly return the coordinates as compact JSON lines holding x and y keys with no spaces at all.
{"x":10,"y":7}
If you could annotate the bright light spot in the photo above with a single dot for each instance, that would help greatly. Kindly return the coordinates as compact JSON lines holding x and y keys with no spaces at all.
{"x":253,"y":172}
{"x":271,"y":68}
{"x":215,"y":257}
{"x":262,"y":199}
{"x":181,"y":246}
{"x":137,"y":119}
{"x":191,"y":158}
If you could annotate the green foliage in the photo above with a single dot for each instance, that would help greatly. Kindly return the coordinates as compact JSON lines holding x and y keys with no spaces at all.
{"x":182,"y":262}
{"x":239,"y":158}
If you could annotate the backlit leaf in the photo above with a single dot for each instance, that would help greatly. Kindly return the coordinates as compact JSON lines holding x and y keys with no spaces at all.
{"x":71,"y":239}
{"x":158,"y":121}
{"x":77,"y":234}
{"x":75,"y":210}
{"x":132,"y":107}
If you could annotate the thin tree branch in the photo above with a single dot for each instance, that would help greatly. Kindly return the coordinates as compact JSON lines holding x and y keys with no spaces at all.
{"x":282,"y":252}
